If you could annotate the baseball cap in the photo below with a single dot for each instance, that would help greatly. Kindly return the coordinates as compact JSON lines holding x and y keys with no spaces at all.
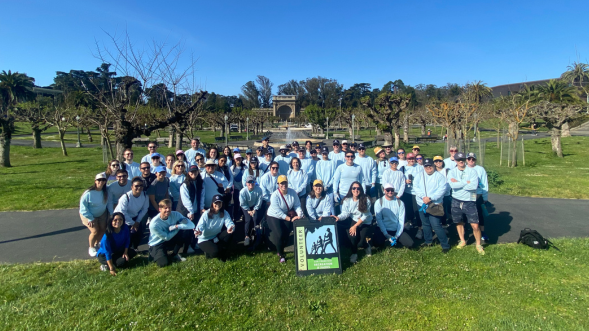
{"x":260,"y":148}
{"x":282,"y":179}
{"x":388,"y":185}
{"x":410,"y":156}
{"x":318,"y":146}
{"x":353,"y":145}
{"x":377,"y":151}
{"x":266,"y":138}
{"x":250,"y":179}
{"x":437,"y":157}
{"x":178,"y":152}
{"x":428,"y":162}
{"x":336,"y":142}
{"x":160,"y":169}
{"x":266,"y":152}
{"x":325,"y":150}
{"x":416,"y":147}
{"x":289,"y":146}
{"x":193,"y":168}
{"x":471,"y":154}
{"x":283,"y":148}
{"x":254,"y":159}
{"x":394,"y":159}
{"x":237,"y":155}
{"x":295,"y":143}
{"x":156,"y":155}
{"x":302,"y":150}
{"x":236,"y":149}
{"x":318,"y":182}
{"x":210,"y":162}
{"x":459,"y":156}
{"x":101,"y":175}
{"x":313,"y":151}
{"x":344,"y":142}
{"x":217,"y":198}
{"x":361,"y":146}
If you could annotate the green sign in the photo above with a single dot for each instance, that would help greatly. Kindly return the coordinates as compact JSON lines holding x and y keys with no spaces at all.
{"x":317,"y":247}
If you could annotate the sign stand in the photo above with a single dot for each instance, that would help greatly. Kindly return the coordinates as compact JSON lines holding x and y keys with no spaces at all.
{"x":317,"y":247}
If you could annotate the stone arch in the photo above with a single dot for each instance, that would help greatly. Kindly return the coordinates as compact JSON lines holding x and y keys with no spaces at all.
{"x":284,"y":112}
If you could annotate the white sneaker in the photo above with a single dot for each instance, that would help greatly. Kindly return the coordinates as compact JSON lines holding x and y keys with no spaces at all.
{"x":368,"y":250}
{"x":179,"y":258}
{"x":104,"y":267}
{"x":246,"y":242}
{"x":92,"y":251}
{"x":353,"y":258}
{"x":419,"y":234}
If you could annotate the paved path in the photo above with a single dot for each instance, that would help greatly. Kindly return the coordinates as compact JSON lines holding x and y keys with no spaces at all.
{"x":58,"y":235}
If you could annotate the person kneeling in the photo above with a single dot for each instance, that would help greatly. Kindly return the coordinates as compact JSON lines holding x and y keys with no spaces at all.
{"x":168,"y":230}
{"x":390,"y":218}
{"x":114,"y":249}
{"x":212,"y":239}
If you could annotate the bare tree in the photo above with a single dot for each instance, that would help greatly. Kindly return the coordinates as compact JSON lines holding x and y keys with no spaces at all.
{"x":556,"y":115}
{"x":514,"y":109}
{"x":386,"y":111}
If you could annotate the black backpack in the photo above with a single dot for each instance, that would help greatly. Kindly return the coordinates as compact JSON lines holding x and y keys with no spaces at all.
{"x":534,"y":239}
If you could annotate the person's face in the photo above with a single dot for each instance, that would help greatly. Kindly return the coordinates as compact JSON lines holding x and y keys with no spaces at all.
{"x":160,"y":175}
{"x":411,"y":161}
{"x":165,"y":211}
{"x":169,"y":161}
{"x":283,"y":187}
{"x":350,"y":158}
{"x":295,"y":147}
{"x":181,"y":157}
{"x":100,"y":183}
{"x":296,"y":165}
{"x":460,"y":163}
{"x":353,"y":148}
{"x":313,"y":155}
{"x":302,"y":154}
{"x":217,"y":206}
{"x":471,"y":161}
{"x":145,"y":170}
{"x":137,"y":188}
{"x":453,"y":151}
{"x":401,"y":154}
{"x":345,"y":146}
{"x":308,"y":145}
{"x":194,"y":144}
{"x":213,"y":154}
{"x":115,"y":166}
{"x":193,"y":174}
{"x":362,"y":152}
{"x":179,"y":168}
{"x":122,"y":179}
{"x":117,"y":222}
{"x":226,"y":151}
{"x":199,"y":160}
{"x":268,"y":157}
{"x":222,"y":162}
{"x":250,"y":186}
{"x":128,"y":156}
{"x":419,"y":159}
{"x":253,"y":164}
{"x":380,"y":155}
{"x":258,"y":153}
{"x":283,"y":152}
{"x":389,"y":192}
{"x":416,"y":151}
{"x":325,"y":156}
{"x":152,"y":148}
{"x":155,"y":161}
{"x":318,"y":189}
{"x":238,"y":160}
{"x":394,"y":165}
{"x":336,"y":148}
{"x":438,"y":164}
{"x":210,"y":168}
{"x":265,"y":143}
{"x":388,"y":150}
{"x":274,"y":169}
{"x":356,"y":190}
{"x":429,"y":170}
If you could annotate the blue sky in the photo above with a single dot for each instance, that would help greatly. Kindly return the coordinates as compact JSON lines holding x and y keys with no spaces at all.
{"x":429,"y":42}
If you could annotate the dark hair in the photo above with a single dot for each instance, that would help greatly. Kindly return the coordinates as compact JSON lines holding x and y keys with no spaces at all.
{"x":104,"y":191}
{"x":257,"y":167}
{"x":295,"y":158}
{"x":209,"y":152}
{"x":230,"y":155}
{"x":136,"y":179}
{"x":127,"y":150}
{"x":108,"y":171}
{"x":210,"y":213}
{"x":272,"y":163}
{"x":362,"y":205}
{"x":349,"y":152}
{"x":121,"y":171}
{"x":109,"y":229}
{"x":172,"y":155}
{"x":145,"y":163}
{"x":312,"y":193}
{"x":152,"y":142}
{"x":400,"y":149}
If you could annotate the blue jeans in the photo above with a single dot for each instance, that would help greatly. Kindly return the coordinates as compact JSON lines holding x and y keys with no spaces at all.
{"x":428,"y":222}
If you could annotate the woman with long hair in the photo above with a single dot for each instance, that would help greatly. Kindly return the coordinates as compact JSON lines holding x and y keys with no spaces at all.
{"x":253,"y":169}
{"x":199,"y":160}
{"x":226,"y":171}
{"x":229,"y":155}
{"x":170,"y":159}
{"x":93,"y":211}
{"x":111,"y":171}
{"x":214,"y":230}
{"x":176,"y":180}
{"x":319,"y":204}
{"x":447,"y":202}
{"x":297,"y":180}
{"x":238,"y":172}
{"x":114,"y":247}
{"x":356,"y":219}
{"x":192,"y":197}
{"x":212,"y":154}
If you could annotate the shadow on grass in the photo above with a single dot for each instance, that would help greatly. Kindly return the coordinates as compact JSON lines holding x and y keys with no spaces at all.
{"x":53,"y":233}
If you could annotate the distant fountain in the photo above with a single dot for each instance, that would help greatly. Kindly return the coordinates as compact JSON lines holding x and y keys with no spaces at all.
{"x":288,"y":136}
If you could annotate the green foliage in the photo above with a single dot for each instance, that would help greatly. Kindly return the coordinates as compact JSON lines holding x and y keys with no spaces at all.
{"x":494,"y":178}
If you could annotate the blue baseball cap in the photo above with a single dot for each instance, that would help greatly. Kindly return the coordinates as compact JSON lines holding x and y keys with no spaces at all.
{"x":158,"y":155}
{"x":160,"y":169}
{"x":236,"y":150}
{"x":394,"y":159}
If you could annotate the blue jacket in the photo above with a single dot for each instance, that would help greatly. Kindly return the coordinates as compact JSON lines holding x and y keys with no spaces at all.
{"x":316,"y":208}
{"x":337,"y":158}
{"x":308,"y":165}
{"x":297,"y":180}
{"x":345,"y":175}
{"x":159,"y":229}
{"x":434,"y":187}
{"x":368,"y":166}
{"x":465,"y":189}
{"x":279,"y":209}
{"x":350,"y":209}
{"x":120,"y":240}
{"x":211,"y":227}
{"x":251,"y":200}
{"x":268,"y":184}
{"x":390,"y":216}
{"x":93,"y":204}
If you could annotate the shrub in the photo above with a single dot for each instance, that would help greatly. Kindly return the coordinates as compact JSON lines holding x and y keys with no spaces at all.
{"x":494,"y":178}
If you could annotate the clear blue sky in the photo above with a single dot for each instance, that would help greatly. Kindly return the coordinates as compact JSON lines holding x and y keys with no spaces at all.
{"x":430,"y":42}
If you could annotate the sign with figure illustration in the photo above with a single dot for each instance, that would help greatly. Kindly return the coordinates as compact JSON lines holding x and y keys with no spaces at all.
{"x":317,"y":247}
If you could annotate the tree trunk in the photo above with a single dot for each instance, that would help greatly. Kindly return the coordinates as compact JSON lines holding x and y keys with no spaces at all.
{"x":555,"y":140}
{"x":498,"y":137}
{"x":171,"y":139}
{"x":423,"y":129}
{"x":109,"y":145}
{"x":405,"y":130}
{"x":89,"y":135}
{"x":4,"y":152}
{"x":396,"y":135}
{"x":377,"y":130}
{"x":37,"y":138}
{"x":565,"y":132}
{"x":179,"y":137}
{"x":514,"y":153}
{"x":62,"y":142}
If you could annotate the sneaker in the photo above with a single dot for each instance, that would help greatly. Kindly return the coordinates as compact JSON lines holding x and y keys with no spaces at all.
{"x":179,"y":258}
{"x":282,"y":259}
{"x":419,"y":234}
{"x":484,"y":237}
{"x":445,"y":250}
{"x":353,"y":258}
{"x":368,"y":251}
{"x":247,"y":241}
{"x":480,"y":249}
{"x":104,"y":267}
{"x":92,"y":251}
{"x":461,"y":244}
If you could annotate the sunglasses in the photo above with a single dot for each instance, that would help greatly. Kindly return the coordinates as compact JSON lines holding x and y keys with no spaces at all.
{"x":400,"y":152}
{"x":416,"y":149}
{"x":150,"y":147}
{"x":419,"y":158}
{"x":145,"y":168}
{"x":411,"y":159}
{"x":179,"y":166}
{"x":350,"y":157}
{"x":138,"y":186}
{"x":129,"y":154}
{"x":198,"y":160}
{"x":122,"y":176}
{"x":471,"y":158}
{"x":283,"y":183}
{"x":453,"y":150}
{"x":101,"y":180}
{"x":115,"y":165}
{"x":355,"y":188}
{"x":438,"y":161}
{"x":274,"y":168}
{"x":389,"y":190}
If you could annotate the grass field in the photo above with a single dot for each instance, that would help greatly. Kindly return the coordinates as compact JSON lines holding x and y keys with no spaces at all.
{"x":513,"y":287}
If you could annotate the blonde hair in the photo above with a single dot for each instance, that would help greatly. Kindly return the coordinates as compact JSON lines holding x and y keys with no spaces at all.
{"x":174,"y":168}
{"x":164,"y":203}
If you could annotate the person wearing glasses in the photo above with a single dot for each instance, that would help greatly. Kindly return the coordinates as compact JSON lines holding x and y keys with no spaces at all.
{"x":176,"y":181}
{"x":156,"y":161}
{"x":345,"y":175}
{"x":382,"y":165}
{"x":416,"y":150}
{"x":269,"y":184}
{"x":402,"y":157}
{"x":283,"y":159}
{"x":152,"y":148}
{"x":93,"y":211}
{"x":464,"y":182}
{"x":114,"y":247}
{"x":390,"y":219}
{"x":395,"y":178}
{"x":440,"y":167}
{"x":212,"y":239}
{"x":131,"y":167}
{"x":319,"y":204}
{"x":146,"y":175}
{"x":337,"y":156}
{"x":193,"y":151}
{"x":285,"y":208}
{"x":253,"y":169}
{"x":134,"y":205}
{"x":419,"y":159}
{"x":411,"y":171}
{"x":117,"y":189}
{"x":111,"y":171}
{"x":345,"y":146}
{"x":158,"y":190}
{"x":482,"y":191}
{"x":450,"y":162}
{"x":388,"y":149}
{"x":355,"y":219}
{"x":369,"y":172}
{"x":192,"y":197}
{"x":250,"y":201}
{"x":199,"y":161}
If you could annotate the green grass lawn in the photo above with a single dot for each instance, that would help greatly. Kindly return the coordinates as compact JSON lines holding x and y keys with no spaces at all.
{"x":513,"y":287}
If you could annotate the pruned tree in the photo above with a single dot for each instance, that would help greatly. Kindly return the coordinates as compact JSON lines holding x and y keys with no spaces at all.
{"x":34,"y":113}
{"x":514,"y":108}
{"x":62,"y":117}
{"x":386,"y":111}
{"x":555,"y":115}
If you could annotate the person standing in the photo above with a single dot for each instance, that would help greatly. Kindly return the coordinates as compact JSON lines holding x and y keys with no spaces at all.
{"x":214,"y":181}
{"x":227,"y":153}
{"x":223,"y":168}
{"x":170,"y":159}
{"x":464,"y":182}
{"x":482,"y":191}
{"x":308,"y":148}
{"x":212,"y":154}
{"x":250,"y":201}
{"x":296,"y":148}
{"x":337,"y":156}
{"x":199,"y":161}
{"x":111,"y":171}
{"x":390,"y":219}
{"x":283,"y":159}
{"x":152,"y":148}
{"x":285,"y":208}
{"x":180,"y":156}
{"x":117,"y":189}
{"x":297,"y":180}
{"x":396,"y":178}
{"x":266,"y":146}
{"x":419,"y":159}
{"x":158,"y":191}
{"x":411,"y":171}
{"x":253,"y":169}
{"x":269,"y":183}
{"x":325,"y":171}
{"x":176,"y":180}
{"x":192,"y":197}
{"x":265,"y":161}
{"x":155,"y":161}
{"x":440,"y":167}
{"x":430,"y":188}
{"x":319,"y":204}
{"x":388,"y":149}
{"x":369,"y":172}
{"x":381,"y":166}
{"x":134,"y":205}
{"x":450,"y":162}
{"x":345,"y":146}
{"x":402,"y":157}
{"x":416,"y":150}
{"x":168,"y":230}
{"x":356,"y":219}
{"x":308,"y":166}
{"x":114,"y":247}
{"x":238,"y":172}
{"x":194,"y":149}
{"x":93,"y":211}
{"x":212,"y":239}
{"x":345,"y":175}
{"x":146,"y":176}
{"x":131,"y":167}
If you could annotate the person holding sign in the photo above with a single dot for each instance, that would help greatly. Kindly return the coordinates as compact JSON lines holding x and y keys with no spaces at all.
{"x":285,"y":208}
{"x":212,"y":239}
{"x":319,"y":203}
{"x":356,"y":219}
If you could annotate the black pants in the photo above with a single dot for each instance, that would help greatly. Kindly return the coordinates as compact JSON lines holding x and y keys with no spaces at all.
{"x":159,"y":253}
{"x":411,"y":209}
{"x":137,"y":236}
{"x":217,"y":250}
{"x":378,"y":239}
{"x":117,"y":258}
{"x":379,"y":191}
{"x":480,"y":202}
{"x":236,"y":212}
{"x":257,"y":219}
{"x":362,"y":232}
{"x":303,"y":200}
{"x":279,"y":232}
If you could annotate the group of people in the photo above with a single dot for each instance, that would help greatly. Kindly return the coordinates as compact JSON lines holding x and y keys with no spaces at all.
{"x":195,"y":198}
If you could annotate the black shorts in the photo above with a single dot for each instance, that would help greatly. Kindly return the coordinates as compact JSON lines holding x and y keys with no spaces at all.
{"x":466,"y":208}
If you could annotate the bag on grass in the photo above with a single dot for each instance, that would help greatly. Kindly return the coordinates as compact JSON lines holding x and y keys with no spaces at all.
{"x":534,"y":239}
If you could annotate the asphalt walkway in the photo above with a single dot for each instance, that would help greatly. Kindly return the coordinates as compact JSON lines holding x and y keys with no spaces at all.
{"x":58,"y":235}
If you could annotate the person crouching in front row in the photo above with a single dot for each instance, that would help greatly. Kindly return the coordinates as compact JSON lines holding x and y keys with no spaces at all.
{"x":168,"y":230}
{"x":114,"y":249}
{"x":212,"y":239}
